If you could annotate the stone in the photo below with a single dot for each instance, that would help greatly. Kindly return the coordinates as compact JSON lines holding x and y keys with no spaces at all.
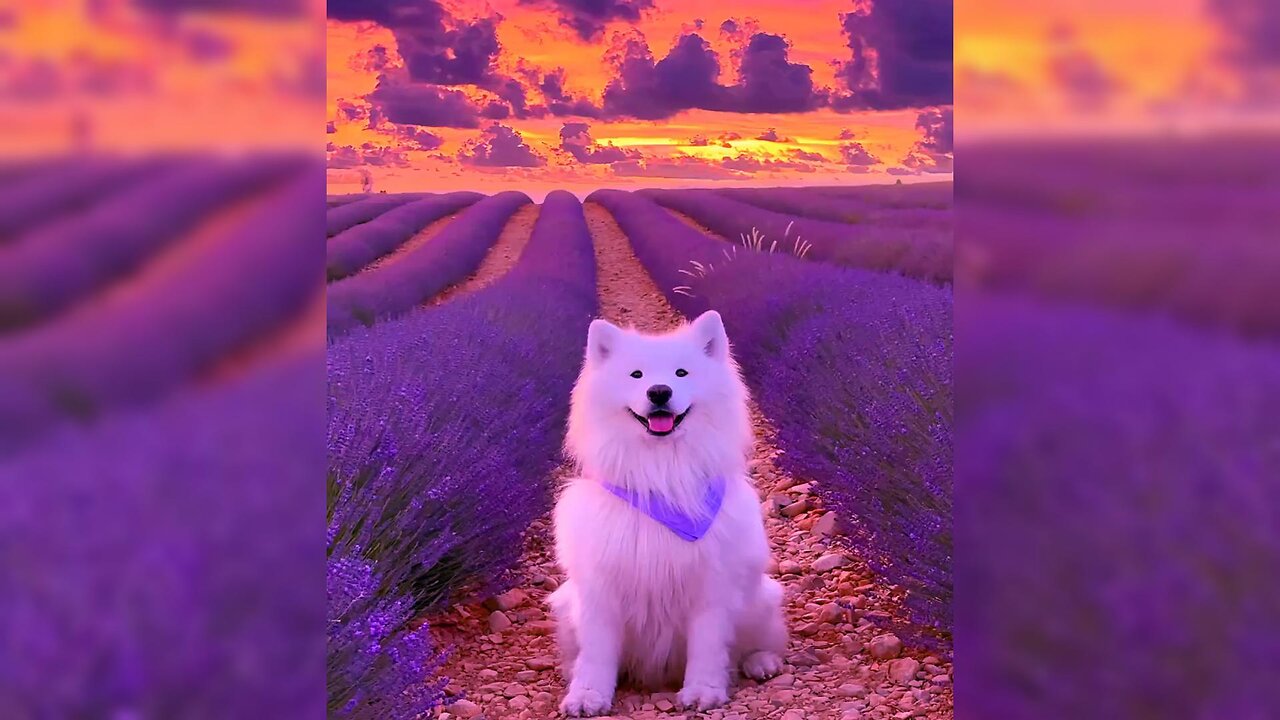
{"x":885,"y":647}
{"x":783,"y":698}
{"x":790,"y":567}
{"x":942,"y":679}
{"x":465,"y":708}
{"x":825,"y":525}
{"x":793,"y":714}
{"x":771,"y":567}
{"x":541,"y":627}
{"x":488,"y":673}
{"x":514,"y":689}
{"x":831,"y":613}
{"x":508,"y":600}
{"x":850,"y":715}
{"x":498,"y":621}
{"x":784,"y":680}
{"x":804,"y":659}
{"x":809,"y":629}
{"x":519,"y":702}
{"x":542,"y":662}
{"x":797,"y":507}
{"x":526,"y":676}
{"x":665,"y":705}
{"x":851,"y":690}
{"x":903,"y":670}
{"x":802,"y":488}
{"x":829,"y":562}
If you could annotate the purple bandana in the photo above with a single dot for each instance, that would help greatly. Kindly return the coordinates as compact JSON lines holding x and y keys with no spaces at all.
{"x":687,"y":527}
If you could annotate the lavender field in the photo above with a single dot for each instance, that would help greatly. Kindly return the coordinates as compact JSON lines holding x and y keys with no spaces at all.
{"x":159,"y":389}
{"x":455,"y":331}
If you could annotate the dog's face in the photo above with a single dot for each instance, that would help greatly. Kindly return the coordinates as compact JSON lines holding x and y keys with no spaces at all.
{"x":657,"y":386}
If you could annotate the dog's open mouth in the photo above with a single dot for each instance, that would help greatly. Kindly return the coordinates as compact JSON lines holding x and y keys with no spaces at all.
{"x":659,"y":422}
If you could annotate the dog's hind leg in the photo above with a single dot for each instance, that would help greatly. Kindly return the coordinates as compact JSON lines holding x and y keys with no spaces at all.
{"x":762,"y":634}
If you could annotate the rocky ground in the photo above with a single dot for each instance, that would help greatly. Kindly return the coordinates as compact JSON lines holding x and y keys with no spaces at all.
{"x":840,"y":664}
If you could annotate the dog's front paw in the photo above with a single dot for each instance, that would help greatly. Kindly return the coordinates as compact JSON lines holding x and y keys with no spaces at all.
{"x":762,"y":665}
{"x":702,"y":697}
{"x":585,"y":702}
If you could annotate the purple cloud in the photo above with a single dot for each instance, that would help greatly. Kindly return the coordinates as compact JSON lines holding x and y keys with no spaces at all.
{"x":771,"y":135}
{"x":854,"y":154}
{"x":688,"y":78}
{"x":559,"y":102}
{"x":419,"y":139}
{"x":588,"y":17}
{"x":499,"y":146}
{"x":419,"y":104}
{"x":575,"y":139}
{"x":437,"y":47}
{"x":934,"y":152}
{"x":347,"y":156}
{"x":330,"y":128}
{"x":901,"y":55}
{"x":677,"y":167}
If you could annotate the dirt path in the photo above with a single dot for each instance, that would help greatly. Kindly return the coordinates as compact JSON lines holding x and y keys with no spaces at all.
{"x":419,"y":239}
{"x":506,"y":657}
{"x":500,"y":258}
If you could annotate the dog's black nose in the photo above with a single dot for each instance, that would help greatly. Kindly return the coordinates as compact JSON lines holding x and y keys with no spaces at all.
{"x":659,"y":394}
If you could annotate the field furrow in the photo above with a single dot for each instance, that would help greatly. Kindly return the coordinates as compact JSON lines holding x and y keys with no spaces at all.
{"x":500,"y":258}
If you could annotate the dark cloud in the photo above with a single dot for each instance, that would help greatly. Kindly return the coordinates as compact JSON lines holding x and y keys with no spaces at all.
{"x":559,"y":102}
{"x":770,"y":83}
{"x":350,"y":111}
{"x":330,"y":128}
{"x":902,"y":171}
{"x":799,"y":154}
{"x":771,"y":135}
{"x":347,"y":156}
{"x":1084,"y":83}
{"x":419,"y":139}
{"x":499,"y":146}
{"x":901,"y":55}
{"x":934,"y":152}
{"x":1251,"y":28}
{"x":847,"y":134}
{"x":377,"y":58}
{"x":420,"y":104}
{"x":937,"y":125}
{"x":856,"y":155}
{"x":495,"y":111}
{"x":436,"y":47}
{"x":676,"y":167}
{"x":688,"y":78}
{"x":575,"y":139}
{"x":754,"y":164}
{"x":588,"y":17}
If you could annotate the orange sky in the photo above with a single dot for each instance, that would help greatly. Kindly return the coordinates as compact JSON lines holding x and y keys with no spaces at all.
{"x":532,"y":35}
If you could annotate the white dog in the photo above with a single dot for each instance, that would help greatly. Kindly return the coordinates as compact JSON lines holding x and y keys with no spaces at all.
{"x":662,"y":538}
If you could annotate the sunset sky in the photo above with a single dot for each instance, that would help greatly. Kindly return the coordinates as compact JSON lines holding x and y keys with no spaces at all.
{"x":588,"y":93}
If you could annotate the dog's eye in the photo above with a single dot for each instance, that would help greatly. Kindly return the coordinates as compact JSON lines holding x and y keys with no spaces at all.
{"x":681,"y":372}
{"x":637,"y":374}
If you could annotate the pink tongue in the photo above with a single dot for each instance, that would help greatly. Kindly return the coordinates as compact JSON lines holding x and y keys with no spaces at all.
{"x":661,"y":423}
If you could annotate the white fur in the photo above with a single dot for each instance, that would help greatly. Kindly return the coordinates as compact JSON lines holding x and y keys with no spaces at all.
{"x":639,"y":600}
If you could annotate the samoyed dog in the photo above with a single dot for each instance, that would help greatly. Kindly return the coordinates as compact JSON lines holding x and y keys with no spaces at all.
{"x":662,"y":537}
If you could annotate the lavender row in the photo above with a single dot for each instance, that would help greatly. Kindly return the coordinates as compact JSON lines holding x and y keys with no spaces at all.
{"x":218,"y":295}
{"x":59,"y":264}
{"x":444,"y":428}
{"x":913,"y":252}
{"x":850,"y":209}
{"x":358,"y":246}
{"x":1119,"y":515}
{"x":418,"y":274}
{"x":853,"y":368}
{"x":170,"y":549}
{"x":42,"y":195}
{"x":362,"y":210}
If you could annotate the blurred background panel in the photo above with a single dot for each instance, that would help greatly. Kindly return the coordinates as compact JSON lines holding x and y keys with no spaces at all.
{"x":161,"y":339}
{"x":1117,"y":324}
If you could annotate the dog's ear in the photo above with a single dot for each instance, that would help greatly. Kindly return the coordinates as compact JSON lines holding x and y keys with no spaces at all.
{"x":602,"y":339}
{"x":708,"y":330}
